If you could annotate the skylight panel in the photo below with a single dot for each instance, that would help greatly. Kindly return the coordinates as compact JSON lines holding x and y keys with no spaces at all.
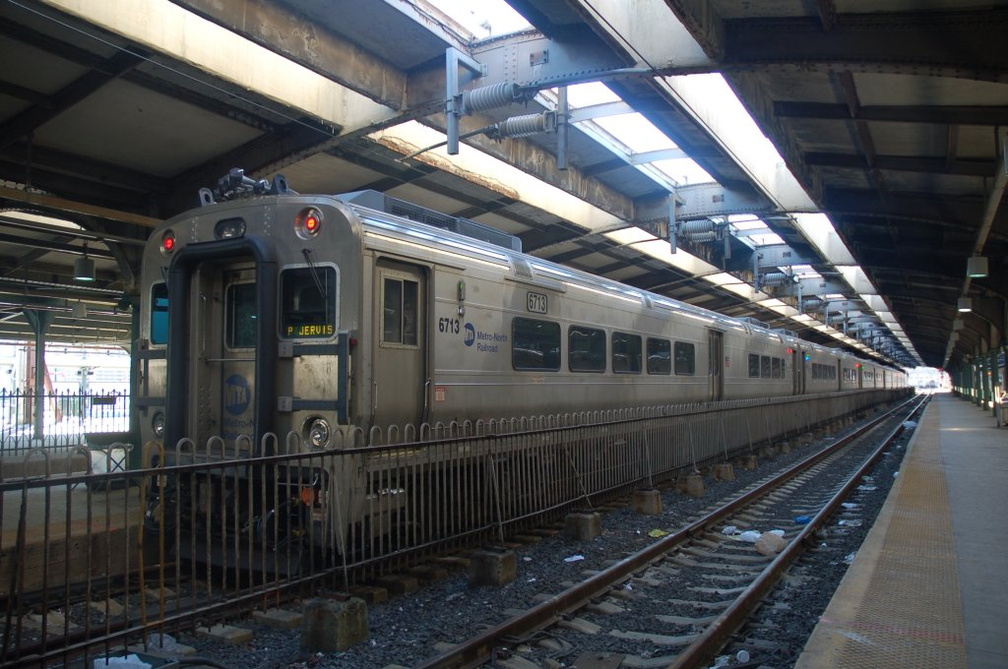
{"x":684,"y":171}
{"x":635,"y":132}
{"x":483,"y":18}
{"x":586,"y":95}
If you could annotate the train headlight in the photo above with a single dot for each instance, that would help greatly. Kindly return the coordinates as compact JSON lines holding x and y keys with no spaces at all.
{"x":168,"y":242}
{"x":308,"y":223}
{"x":316,"y":432}
{"x":229,"y":227}
{"x":158,"y":424}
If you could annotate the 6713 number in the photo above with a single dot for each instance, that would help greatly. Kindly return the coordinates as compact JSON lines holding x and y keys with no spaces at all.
{"x":449,"y":325}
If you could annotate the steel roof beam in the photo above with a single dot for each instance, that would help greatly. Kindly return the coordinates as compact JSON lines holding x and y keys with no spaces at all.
{"x":939,"y":115}
{"x":963,"y":167}
{"x":880,"y":42}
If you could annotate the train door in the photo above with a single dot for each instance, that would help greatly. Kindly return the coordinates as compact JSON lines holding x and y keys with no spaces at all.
{"x":797,"y":372}
{"x":399,"y":382}
{"x":715,"y":364}
{"x":227,"y":362}
{"x":222,"y":344}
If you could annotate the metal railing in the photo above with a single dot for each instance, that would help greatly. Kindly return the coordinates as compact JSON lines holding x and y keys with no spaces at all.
{"x":173,"y":537}
{"x":65,"y":418}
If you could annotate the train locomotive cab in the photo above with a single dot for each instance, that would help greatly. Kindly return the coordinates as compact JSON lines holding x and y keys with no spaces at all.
{"x":246,"y":335}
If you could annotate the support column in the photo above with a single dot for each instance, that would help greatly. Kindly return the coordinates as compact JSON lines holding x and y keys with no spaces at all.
{"x":39,"y":322}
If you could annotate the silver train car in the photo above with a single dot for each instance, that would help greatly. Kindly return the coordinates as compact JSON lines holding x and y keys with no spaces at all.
{"x":278,"y":313}
{"x":288,"y":313}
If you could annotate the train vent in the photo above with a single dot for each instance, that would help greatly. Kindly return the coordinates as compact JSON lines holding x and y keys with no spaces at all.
{"x":390,"y":205}
{"x":522,"y":267}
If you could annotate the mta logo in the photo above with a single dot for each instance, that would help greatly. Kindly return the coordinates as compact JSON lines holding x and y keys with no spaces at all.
{"x":470,"y":334}
{"x":237,"y":394}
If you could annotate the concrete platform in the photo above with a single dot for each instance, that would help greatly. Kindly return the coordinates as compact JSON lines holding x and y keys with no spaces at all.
{"x":929,"y":586}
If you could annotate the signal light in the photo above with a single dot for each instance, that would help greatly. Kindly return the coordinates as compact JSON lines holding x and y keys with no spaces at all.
{"x":168,"y":242}
{"x":308,"y":223}
{"x":311,"y":224}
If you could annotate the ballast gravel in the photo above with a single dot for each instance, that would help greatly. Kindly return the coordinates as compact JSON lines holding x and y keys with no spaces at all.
{"x":408,"y":629}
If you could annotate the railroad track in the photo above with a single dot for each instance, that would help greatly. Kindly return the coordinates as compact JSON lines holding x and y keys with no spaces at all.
{"x":690,"y":591}
{"x":689,"y":578}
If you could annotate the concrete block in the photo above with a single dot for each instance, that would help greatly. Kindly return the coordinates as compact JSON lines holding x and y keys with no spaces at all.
{"x":278,"y":619}
{"x":583,"y":526}
{"x":647,"y":502}
{"x":229,"y":633}
{"x":332,"y":625}
{"x":784,"y":447}
{"x":748,"y":462}
{"x":398,"y":584}
{"x":429,"y":573}
{"x":371,"y":594}
{"x":723,"y":472}
{"x":693,"y":485}
{"x":492,"y":567}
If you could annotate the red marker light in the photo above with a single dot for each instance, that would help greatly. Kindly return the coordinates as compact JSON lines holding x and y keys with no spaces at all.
{"x":168,"y":242}
{"x":311,"y":224}
{"x":308,"y":223}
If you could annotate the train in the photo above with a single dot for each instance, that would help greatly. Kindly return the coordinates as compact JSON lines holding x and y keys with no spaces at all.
{"x":265,"y":311}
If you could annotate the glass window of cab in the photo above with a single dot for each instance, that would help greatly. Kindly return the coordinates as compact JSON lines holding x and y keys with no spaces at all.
{"x":308,"y":303}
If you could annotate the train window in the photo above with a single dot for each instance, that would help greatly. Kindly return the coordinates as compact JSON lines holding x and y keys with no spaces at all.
{"x":308,"y":302}
{"x":776,"y":368}
{"x":535,"y":344}
{"x":659,"y":356}
{"x":586,"y":349}
{"x":685,"y":359}
{"x":764,"y":367}
{"x":626,"y":353}
{"x":159,"y":314}
{"x":240,"y":305}
{"x":399,"y":318}
{"x":753,"y":366}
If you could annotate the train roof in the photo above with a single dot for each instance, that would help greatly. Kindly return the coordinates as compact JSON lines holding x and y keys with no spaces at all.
{"x":433,"y":228}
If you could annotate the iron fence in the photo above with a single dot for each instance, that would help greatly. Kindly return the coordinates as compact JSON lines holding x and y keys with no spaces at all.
{"x":125,"y":553}
{"x":62,"y":422}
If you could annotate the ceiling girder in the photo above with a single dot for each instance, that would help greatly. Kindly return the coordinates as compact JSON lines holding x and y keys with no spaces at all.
{"x":27,"y":121}
{"x":939,"y":115}
{"x":962,"y":166}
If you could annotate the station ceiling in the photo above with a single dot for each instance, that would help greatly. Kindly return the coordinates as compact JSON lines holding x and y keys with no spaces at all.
{"x":890,"y":120}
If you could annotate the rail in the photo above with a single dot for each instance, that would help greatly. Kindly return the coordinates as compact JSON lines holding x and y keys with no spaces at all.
{"x":480,"y":648}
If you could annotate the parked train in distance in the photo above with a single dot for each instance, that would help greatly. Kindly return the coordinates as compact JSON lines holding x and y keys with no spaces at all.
{"x":274,"y":312}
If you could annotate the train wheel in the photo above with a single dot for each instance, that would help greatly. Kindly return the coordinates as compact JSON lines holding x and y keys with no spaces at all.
{"x":283,"y":537}
{"x":159,"y":526}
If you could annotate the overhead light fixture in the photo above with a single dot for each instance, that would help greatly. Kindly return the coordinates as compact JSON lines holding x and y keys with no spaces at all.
{"x":84,"y":269}
{"x":976,"y":267}
{"x":965,"y":304}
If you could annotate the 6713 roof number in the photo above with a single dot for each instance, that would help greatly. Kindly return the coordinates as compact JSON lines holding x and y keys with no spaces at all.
{"x":537,"y":303}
